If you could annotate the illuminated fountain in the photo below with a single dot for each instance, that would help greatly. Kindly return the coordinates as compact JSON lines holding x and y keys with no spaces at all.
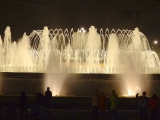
{"x":112,"y":52}
{"x":117,"y":52}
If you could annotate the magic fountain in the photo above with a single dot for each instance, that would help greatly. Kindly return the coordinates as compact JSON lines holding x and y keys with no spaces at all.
{"x":109,"y":52}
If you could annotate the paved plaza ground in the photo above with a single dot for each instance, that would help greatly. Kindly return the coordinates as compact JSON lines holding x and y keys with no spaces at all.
{"x":70,"y":108}
{"x":64,"y":114}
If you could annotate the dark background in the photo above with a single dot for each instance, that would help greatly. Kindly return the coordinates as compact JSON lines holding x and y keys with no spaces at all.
{"x":28,"y":15}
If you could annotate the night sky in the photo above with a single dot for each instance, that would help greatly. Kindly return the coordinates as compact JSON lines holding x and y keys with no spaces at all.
{"x":25,"y":18}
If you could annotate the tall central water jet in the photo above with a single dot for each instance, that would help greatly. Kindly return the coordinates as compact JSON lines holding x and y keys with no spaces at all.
{"x":93,"y":47}
{"x":113,"y":52}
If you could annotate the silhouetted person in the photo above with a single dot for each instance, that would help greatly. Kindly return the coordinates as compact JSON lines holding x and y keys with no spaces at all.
{"x":48,"y":97}
{"x":154,"y":106}
{"x":109,"y":106}
{"x":40,"y":99}
{"x":113,"y":104}
{"x":102,"y":104}
{"x":95,"y":98}
{"x":143,"y":103}
{"x":41,"y":104}
{"x":23,"y":103}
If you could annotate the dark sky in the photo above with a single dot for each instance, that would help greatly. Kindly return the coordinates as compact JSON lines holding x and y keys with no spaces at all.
{"x":26,"y":20}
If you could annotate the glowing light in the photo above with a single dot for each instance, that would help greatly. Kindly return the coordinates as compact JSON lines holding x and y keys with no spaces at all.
{"x":82,"y":30}
{"x":130,"y":93}
{"x":155,"y":42}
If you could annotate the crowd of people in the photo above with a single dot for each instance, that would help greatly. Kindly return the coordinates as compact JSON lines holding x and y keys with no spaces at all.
{"x":144,"y":103}
{"x":99,"y":103}
{"x":38,"y":108}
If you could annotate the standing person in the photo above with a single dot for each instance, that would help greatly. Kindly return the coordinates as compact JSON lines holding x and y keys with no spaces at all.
{"x":23,"y":103}
{"x":95,"y":104}
{"x":109,"y":106}
{"x":48,"y":96}
{"x":154,"y":106}
{"x":102,"y":104}
{"x":113,"y":104}
{"x":41,"y":104}
{"x":143,"y":103}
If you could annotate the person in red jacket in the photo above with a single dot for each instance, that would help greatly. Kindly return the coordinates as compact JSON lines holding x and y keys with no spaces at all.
{"x":102,"y":104}
{"x":154,"y":106}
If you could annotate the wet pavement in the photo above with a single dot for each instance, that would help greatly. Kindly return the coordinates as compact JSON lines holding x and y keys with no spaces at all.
{"x":64,"y":114}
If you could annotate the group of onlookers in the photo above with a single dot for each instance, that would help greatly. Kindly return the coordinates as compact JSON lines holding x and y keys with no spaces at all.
{"x":143,"y":105}
{"x":99,"y":103}
{"x":39,"y":106}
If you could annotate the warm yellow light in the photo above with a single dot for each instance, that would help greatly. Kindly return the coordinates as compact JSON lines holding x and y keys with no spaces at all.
{"x":155,"y":42}
{"x":130,"y":93}
{"x":83,"y":30}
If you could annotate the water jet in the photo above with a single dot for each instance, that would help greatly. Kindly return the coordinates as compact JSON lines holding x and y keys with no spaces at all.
{"x":56,"y":54}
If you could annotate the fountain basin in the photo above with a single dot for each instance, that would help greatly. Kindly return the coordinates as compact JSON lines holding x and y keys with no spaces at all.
{"x":76,"y":84}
